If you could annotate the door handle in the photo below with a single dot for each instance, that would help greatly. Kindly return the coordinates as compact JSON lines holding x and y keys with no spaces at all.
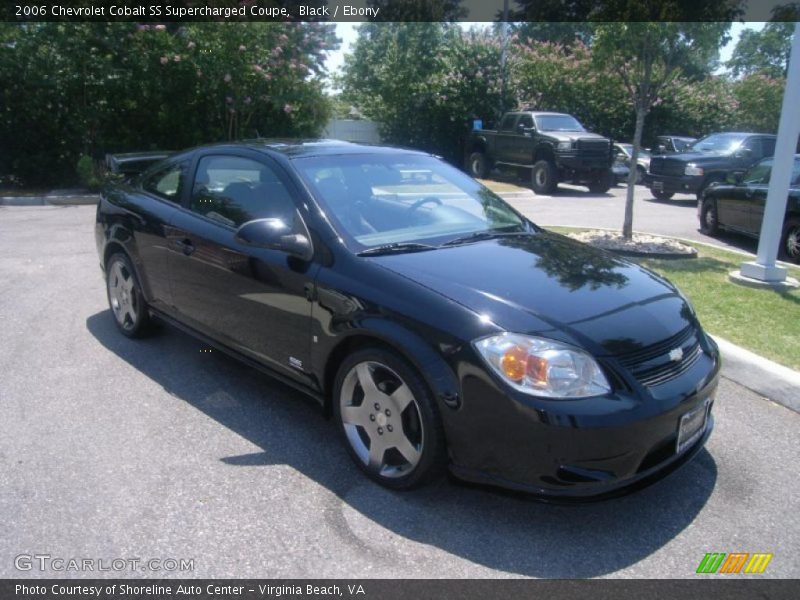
{"x":186,"y":246}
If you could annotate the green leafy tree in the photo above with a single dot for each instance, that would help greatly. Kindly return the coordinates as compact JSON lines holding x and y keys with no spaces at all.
{"x":764,"y":52}
{"x":648,"y":57}
{"x":758,"y":100}
{"x":71,"y":89}
{"x":423,"y":83}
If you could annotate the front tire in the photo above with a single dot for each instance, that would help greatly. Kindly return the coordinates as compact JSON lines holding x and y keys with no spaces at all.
{"x":602,"y":183}
{"x":388,"y":419}
{"x":478,"y":165}
{"x":662,"y":196}
{"x":544,"y":177}
{"x":125,"y":298}
{"x":709,"y":222}
{"x":790,"y":242}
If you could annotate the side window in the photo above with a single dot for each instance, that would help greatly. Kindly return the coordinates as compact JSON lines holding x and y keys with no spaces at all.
{"x":754,"y":144}
{"x":507,"y":124}
{"x":167,"y":182}
{"x":526,"y":121}
{"x":768,"y":146}
{"x":758,"y":173}
{"x":233,"y":190}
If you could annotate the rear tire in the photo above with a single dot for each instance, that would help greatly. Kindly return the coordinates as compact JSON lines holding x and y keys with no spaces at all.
{"x":602,"y":184}
{"x":662,"y":196}
{"x":709,"y":222}
{"x":389,"y":420}
{"x":125,"y":298}
{"x":478,"y":165}
{"x":544,"y":177}
{"x":790,"y":242}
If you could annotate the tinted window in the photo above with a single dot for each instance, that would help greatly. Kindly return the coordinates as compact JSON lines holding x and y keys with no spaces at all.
{"x":754,"y":145}
{"x":508,"y":123}
{"x":758,"y":173}
{"x":233,"y":190}
{"x":526,"y":121}
{"x":768,"y":146}
{"x":167,"y":182}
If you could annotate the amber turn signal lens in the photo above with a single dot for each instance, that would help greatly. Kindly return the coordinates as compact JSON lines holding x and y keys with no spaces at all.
{"x":513,"y":363}
{"x":537,"y":369}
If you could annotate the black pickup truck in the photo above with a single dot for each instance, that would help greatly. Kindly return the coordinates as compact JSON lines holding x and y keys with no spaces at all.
{"x":555,"y":147}
{"x":706,"y":161}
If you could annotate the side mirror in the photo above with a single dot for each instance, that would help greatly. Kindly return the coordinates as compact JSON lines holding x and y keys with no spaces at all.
{"x":275,"y":234}
{"x":522,"y":130}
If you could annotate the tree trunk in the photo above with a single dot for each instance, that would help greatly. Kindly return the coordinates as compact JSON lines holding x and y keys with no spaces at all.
{"x":627,"y":226}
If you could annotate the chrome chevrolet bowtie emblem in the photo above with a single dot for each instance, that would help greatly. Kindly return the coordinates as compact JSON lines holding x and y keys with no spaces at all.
{"x":676,"y":354}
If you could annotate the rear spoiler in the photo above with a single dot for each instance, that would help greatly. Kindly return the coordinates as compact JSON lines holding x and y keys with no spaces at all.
{"x":131,"y":164}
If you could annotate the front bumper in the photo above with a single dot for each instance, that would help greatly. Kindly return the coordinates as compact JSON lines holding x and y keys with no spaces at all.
{"x":685,"y":184}
{"x":572,"y":450}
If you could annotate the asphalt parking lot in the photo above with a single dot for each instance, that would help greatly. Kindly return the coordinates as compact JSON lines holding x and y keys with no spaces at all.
{"x":573,"y":206}
{"x":112,"y":448}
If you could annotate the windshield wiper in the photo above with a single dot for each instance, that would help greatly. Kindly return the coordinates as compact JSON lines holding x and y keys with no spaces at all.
{"x":484,"y":235}
{"x":395,"y":248}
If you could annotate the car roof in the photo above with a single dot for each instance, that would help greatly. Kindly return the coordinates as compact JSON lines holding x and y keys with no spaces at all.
{"x":306,"y":147}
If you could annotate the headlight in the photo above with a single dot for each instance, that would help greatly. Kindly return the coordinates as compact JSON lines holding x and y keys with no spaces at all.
{"x":543,"y":367}
{"x":565,"y":145}
{"x":693,"y":169}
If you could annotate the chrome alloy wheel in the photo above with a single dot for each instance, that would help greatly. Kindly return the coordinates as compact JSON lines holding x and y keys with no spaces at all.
{"x":793,"y":243}
{"x":122,"y":296}
{"x":381,"y":419}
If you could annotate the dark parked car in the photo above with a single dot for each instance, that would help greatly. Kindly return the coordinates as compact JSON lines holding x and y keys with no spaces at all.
{"x":623,"y":154}
{"x":707,"y":161}
{"x":672,"y":144}
{"x":554,"y":147}
{"x":435,"y":323}
{"x":738,"y":205}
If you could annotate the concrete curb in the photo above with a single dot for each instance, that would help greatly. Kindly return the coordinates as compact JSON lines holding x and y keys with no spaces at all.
{"x":760,"y":375}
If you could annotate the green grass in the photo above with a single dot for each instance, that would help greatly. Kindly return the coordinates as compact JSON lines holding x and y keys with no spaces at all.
{"x":763,"y":321}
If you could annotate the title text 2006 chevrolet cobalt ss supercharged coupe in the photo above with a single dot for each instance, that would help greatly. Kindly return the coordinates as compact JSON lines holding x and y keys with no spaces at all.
{"x":438,"y":326}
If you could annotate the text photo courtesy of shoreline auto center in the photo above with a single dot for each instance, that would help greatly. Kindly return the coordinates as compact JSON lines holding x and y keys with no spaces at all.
{"x":399,"y":298}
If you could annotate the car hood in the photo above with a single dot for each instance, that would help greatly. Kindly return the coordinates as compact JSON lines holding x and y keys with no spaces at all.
{"x":550,"y":285}
{"x":571,"y":136}
{"x":694,"y":157}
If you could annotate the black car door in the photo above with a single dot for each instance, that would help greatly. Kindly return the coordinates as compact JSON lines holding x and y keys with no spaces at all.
{"x":735,"y":202}
{"x":157,"y":198}
{"x":505,"y":140}
{"x":757,"y":186}
{"x":251,"y":299}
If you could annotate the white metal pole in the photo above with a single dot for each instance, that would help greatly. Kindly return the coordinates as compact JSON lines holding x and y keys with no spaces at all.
{"x":764,"y":268}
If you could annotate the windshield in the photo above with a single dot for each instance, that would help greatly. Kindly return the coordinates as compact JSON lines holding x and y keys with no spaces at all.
{"x":558,"y":123}
{"x":718,"y":143}
{"x":376,"y":199}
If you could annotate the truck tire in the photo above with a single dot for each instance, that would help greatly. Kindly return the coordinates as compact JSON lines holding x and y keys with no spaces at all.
{"x":602,"y":183}
{"x":478,"y":165}
{"x":662,"y":196}
{"x":544,"y":177}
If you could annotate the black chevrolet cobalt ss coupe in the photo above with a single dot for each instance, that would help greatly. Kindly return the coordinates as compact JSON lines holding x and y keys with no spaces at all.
{"x":438,"y":326}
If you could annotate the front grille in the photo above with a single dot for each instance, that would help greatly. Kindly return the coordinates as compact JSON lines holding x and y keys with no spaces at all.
{"x":653,"y":366}
{"x":667,"y":166}
{"x":593,"y":148}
